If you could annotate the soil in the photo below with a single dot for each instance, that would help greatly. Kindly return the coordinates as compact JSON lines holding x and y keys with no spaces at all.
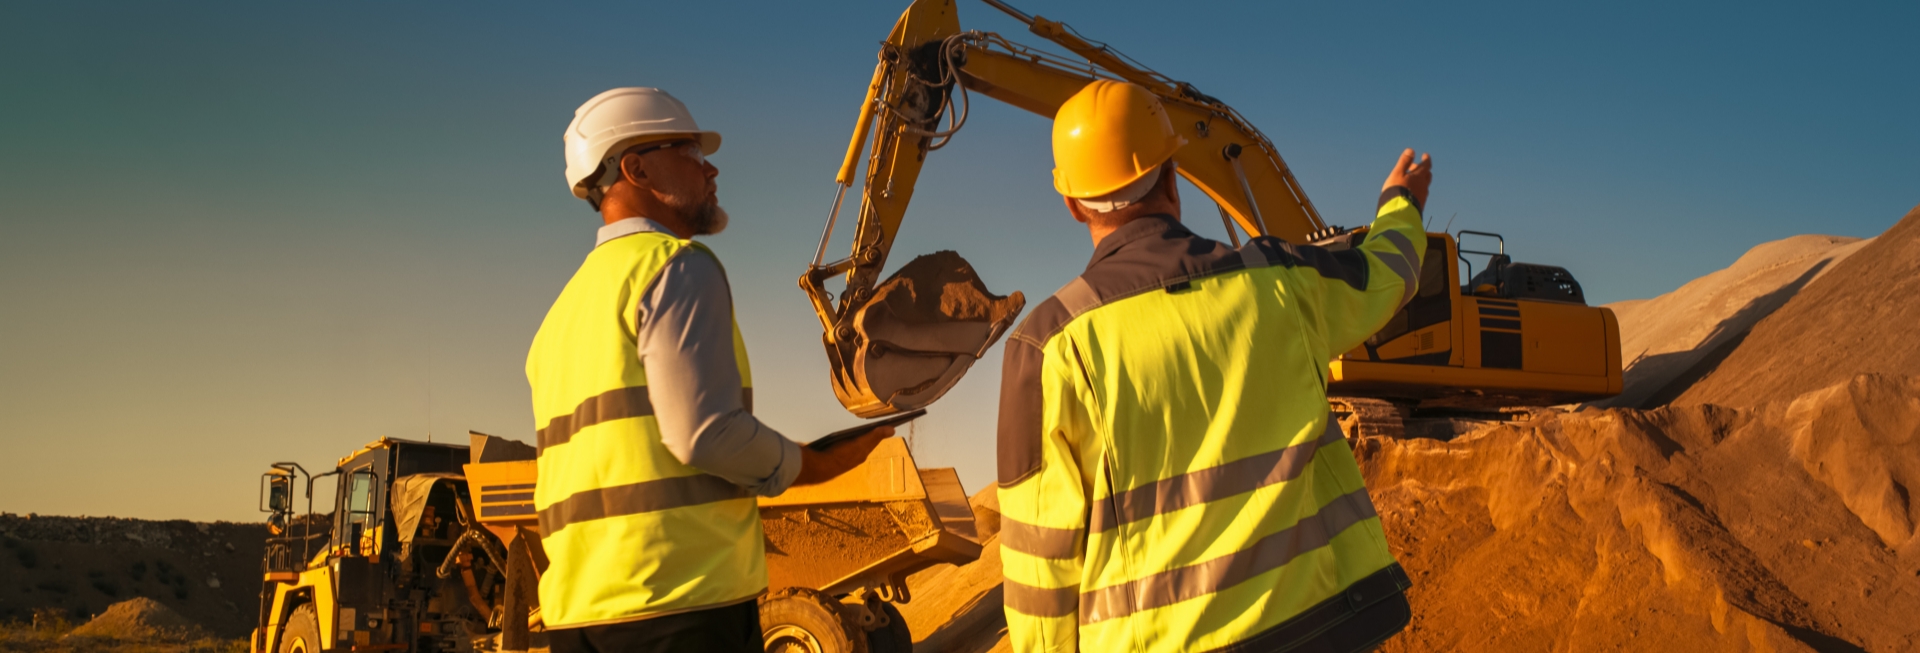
{"x":814,"y":545}
{"x":209,"y":573}
{"x":941,"y":287}
{"x":138,"y":618}
{"x":1857,"y":319}
{"x":1682,"y":528}
{"x":1669,"y":341}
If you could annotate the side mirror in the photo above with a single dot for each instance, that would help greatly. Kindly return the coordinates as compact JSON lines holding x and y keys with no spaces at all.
{"x":279,"y":496}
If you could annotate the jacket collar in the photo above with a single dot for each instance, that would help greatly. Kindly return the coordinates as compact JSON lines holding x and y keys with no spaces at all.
{"x":628,"y":227}
{"x":1156,"y":226}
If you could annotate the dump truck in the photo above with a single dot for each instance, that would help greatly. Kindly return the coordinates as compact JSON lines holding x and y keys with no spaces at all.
{"x":436,"y":547}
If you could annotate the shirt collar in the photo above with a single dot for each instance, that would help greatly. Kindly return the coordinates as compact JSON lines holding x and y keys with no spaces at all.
{"x":1156,"y":225}
{"x":628,"y":227}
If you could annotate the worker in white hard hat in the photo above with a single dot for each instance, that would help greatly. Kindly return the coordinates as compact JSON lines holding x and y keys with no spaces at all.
{"x":650,"y":458}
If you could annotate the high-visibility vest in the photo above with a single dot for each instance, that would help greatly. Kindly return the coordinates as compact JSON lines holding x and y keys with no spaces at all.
{"x":630,"y":531}
{"x":1170,"y":477}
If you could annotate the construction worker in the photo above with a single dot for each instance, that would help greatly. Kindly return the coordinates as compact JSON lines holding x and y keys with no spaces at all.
{"x":649,"y":457}
{"x":1170,"y":477}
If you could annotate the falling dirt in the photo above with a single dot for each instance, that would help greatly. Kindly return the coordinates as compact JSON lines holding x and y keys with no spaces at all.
{"x":941,"y":287}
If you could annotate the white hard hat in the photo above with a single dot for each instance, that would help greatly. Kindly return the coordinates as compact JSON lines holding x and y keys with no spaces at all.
{"x":620,"y":118}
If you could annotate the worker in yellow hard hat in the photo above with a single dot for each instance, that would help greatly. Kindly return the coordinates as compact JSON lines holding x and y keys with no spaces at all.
{"x":1170,"y":477}
{"x":650,"y":456}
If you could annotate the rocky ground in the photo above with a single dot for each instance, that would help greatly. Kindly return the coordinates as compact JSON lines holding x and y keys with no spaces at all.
{"x":77,"y":566}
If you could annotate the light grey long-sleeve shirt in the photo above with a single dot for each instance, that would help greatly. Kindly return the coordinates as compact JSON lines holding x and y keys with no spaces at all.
{"x":686,"y":344}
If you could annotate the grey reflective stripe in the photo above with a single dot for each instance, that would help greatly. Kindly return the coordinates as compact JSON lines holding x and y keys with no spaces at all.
{"x":1040,"y":601}
{"x":1349,"y":266}
{"x":1040,"y":541}
{"x":1406,"y":264}
{"x":636,"y":498}
{"x":1210,"y":484}
{"x":620,"y":403}
{"x":1077,"y":297}
{"x":1253,"y":257}
{"x":1194,"y":581}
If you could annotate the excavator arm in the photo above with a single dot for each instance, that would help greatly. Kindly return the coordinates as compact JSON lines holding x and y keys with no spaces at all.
{"x":899,"y":344}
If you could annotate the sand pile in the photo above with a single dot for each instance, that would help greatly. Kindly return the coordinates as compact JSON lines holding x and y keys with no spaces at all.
{"x":1857,"y":319}
{"x":1784,"y":527}
{"x":1788,"y":527}
{"x":1670,"y":340}
{"x":139,"y":618}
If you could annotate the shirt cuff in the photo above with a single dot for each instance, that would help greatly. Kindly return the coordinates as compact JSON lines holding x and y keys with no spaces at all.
{"x":783,"y":475}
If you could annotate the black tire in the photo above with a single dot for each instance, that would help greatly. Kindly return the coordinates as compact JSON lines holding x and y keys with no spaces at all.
{"x":302,"y":634}
{"x":894,"y":637}
{"x":801,"y":620}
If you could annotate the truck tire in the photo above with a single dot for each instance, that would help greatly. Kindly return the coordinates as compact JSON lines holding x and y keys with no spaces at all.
{"x":302,"y":632}
{"x":892,"y":638}
{"x":802,"y":620}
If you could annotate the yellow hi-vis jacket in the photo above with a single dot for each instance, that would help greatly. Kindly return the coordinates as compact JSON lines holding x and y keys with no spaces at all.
{"x":1170,"y":478}
{"x":629,"y":530}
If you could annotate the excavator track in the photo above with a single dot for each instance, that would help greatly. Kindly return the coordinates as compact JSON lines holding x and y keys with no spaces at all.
{"x":1402,"y":419}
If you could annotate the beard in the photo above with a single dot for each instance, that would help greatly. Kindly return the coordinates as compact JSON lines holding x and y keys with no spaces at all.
{"x":704,"y":216}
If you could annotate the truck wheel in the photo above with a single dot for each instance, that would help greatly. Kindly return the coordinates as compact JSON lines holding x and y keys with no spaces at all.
{"x":302,"y":634}
{"x":801,"y":620}
{"x":894,"y":637}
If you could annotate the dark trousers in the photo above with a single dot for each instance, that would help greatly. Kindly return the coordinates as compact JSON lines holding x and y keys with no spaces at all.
{"x":730,"y":629}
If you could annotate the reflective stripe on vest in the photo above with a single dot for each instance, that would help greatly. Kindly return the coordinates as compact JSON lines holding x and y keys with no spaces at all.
{"x":629,"y":530}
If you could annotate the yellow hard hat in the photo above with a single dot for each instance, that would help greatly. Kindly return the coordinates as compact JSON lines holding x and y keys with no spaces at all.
{"x":1109,"y":135}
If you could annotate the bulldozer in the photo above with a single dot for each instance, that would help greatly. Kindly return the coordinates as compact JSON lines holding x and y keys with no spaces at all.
{"x":436,"y":547}
{"x":1472,"y":344}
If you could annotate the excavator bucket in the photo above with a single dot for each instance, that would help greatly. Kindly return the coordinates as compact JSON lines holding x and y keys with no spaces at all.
{"x":916,"y":337}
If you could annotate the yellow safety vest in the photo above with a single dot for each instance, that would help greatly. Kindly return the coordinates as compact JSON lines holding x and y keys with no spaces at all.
{"x":629,"y":530}
{"x":1170,"y":478}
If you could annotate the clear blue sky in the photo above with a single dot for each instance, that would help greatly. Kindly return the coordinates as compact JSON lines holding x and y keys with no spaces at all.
{"x":236,"y":233}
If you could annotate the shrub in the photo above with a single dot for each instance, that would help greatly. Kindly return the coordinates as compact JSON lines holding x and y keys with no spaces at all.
{"x":138,"y":571}
{"x":55,"y":586}
{"x":27,"y":556}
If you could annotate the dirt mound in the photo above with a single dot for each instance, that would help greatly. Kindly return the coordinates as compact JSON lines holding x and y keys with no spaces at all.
{"x":959,"y":609}
{"x":1700,"y":528}
{"x":1787,"y":527}
{"x":1856,"y":319}
{"x":1671,"y":340}
{"x":139,"y":618}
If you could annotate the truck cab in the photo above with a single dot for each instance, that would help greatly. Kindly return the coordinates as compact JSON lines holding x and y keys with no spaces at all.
{"x":383,"y":570}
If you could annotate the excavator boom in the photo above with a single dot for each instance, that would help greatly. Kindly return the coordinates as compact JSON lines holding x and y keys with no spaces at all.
{"x":891,"y":351}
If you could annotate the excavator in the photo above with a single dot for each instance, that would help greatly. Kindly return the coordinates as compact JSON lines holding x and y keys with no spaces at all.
{"x":1512,"y":335}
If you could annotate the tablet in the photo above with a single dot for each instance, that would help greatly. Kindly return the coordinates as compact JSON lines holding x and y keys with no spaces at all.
{"x":827,"y":441}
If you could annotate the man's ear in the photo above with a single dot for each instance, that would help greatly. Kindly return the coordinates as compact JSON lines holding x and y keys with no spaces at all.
{"x":632,"y":168}
{"x":1079,"y":212}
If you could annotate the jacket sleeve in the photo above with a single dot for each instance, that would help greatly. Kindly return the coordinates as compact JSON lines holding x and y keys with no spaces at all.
{"x":1043,"y":497}
{"x":1362,"y":288}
